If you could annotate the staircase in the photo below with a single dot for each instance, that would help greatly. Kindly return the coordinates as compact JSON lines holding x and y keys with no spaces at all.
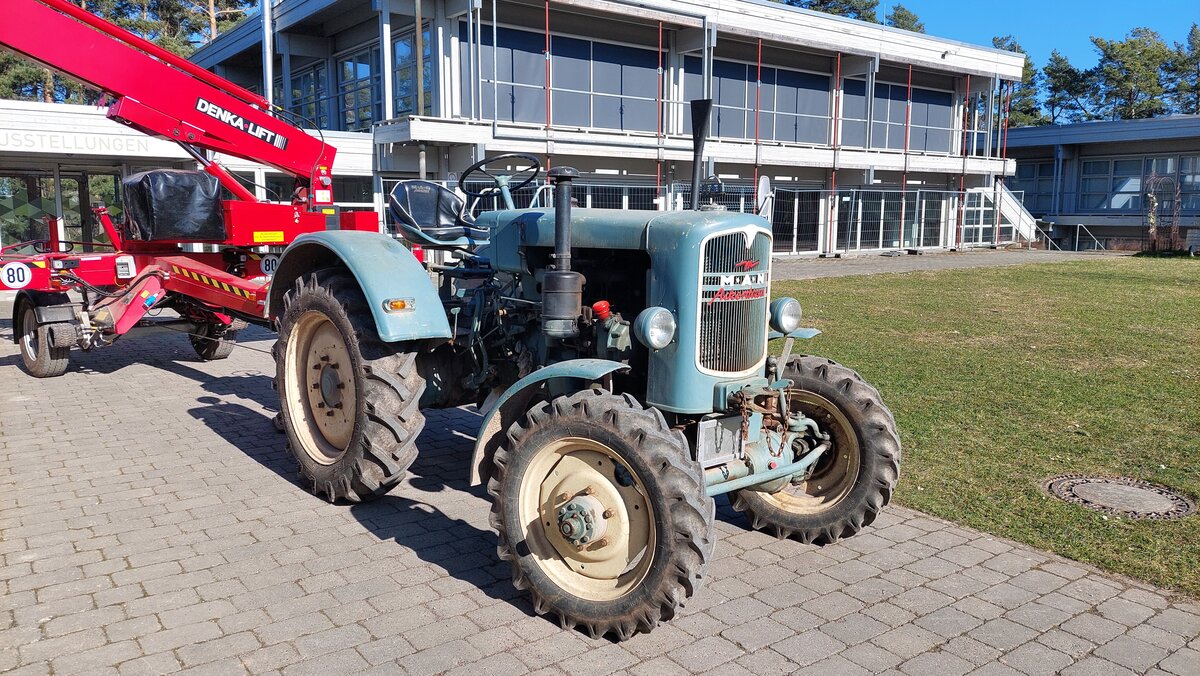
{"x":1011,"y":209}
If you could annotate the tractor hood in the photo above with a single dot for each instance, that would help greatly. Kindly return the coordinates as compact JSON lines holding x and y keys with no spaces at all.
{"x":604,"y":229}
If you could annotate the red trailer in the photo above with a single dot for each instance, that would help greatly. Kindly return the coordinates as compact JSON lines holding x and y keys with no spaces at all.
{"x":145,"y":269}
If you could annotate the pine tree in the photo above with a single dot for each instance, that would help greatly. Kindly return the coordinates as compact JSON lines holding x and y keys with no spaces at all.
{"x":1183,"y":73}
{"x":1131,"y":75}
{"x":1024,"y":108}
{"x":863,"y":10}
{"x":901,"y":17}
{"x":1068,"y":90}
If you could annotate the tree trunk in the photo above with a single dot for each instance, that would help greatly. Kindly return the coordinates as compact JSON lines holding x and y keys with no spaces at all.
{"x":47,"y":86}
{"x":212,"y":19}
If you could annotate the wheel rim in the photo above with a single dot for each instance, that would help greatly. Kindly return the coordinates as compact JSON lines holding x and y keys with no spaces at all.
{"x":836,"y":472}
{"x":29,"y":333}
{"x":574,"y":481}
{"x":321,"y":393}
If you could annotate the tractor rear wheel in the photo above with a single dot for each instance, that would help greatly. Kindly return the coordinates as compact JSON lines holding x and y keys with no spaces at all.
{"x":39,"y":355}
{"x":853,"y":480}
{"x":215,"y":341}
{"x":349,"y":401}
{"x":602,"y":513}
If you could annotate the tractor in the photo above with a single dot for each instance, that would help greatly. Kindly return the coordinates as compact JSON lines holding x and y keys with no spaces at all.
{"x":620,"y":362}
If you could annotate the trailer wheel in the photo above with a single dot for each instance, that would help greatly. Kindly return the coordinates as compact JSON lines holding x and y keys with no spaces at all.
{"x":602,"y":513}
{"x":853,"y":480}
{"x":349,"y":401}
{"x":213,"y":341}
{"x":40,"y":357}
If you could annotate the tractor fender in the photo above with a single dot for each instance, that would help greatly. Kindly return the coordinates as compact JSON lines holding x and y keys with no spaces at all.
{"x":513,"y":403}
{"x":384,"y":269}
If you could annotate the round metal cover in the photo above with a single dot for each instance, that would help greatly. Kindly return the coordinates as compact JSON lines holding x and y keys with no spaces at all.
{"x":1122,"y":496}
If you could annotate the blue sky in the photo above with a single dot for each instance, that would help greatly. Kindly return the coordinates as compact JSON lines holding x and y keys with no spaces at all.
{"x":1044,"y":25}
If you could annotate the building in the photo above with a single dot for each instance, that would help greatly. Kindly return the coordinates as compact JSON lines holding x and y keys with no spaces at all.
{"x":1094,"y":180}
{"x":874,"y":138}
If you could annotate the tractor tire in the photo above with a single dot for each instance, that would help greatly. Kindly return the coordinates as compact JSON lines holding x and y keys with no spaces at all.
{"x":41,"y":359}
{"x":853,"y":480}
{"x":349,"y":402}
{"x":602,"y":513}
{"x":214,"y":341}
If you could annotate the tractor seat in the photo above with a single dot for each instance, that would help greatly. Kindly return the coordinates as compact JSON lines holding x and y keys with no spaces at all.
{"x":433,"y":216}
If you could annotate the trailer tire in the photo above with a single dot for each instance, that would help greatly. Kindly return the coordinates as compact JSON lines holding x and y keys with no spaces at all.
{"x":853,"y":481}
{"x":214,"y":341}
{"x":41,"y":358}
{"x":649,"y":533}
{"x":349,"y":402}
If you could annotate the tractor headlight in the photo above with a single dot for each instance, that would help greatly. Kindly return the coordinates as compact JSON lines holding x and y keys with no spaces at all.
{"x":785,"y":315}
{"x":655,"y":327}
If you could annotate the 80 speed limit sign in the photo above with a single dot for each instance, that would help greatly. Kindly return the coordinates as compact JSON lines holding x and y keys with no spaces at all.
{"x":15,"y":275}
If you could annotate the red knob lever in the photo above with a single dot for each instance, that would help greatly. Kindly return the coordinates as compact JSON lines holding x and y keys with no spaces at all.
{"x":601,"y":309}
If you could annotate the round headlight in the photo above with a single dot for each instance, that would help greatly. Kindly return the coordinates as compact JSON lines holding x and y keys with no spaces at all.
{"x":655,"y":327}
{"x":785,"y":315}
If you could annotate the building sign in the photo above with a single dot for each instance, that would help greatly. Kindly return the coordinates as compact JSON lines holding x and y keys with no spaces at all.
{"x":53,"y":142}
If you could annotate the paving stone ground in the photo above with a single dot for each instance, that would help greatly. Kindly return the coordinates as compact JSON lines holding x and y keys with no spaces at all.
{"x":150,"y":522}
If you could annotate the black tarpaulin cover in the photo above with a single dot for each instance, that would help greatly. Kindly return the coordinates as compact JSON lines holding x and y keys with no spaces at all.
{"x":173,"y":204}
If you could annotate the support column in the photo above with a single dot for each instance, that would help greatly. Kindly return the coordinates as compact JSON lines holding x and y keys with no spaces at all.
{"x":385,"y":59}
{"x":285,"y":49}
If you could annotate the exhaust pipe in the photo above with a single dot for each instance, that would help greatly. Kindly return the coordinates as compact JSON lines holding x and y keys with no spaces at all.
{"x":562,"y":288}
{"x":701,"y":109}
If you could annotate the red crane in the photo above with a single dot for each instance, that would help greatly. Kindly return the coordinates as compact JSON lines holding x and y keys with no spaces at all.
{"x":163,"y":95}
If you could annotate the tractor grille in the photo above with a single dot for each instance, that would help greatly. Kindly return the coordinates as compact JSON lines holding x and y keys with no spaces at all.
{"x":734,"y":295}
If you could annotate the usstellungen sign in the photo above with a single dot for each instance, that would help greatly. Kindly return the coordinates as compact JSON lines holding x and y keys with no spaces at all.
{"x":46,"y":142}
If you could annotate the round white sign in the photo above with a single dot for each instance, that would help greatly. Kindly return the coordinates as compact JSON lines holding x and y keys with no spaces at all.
{"x":15,"y":275}
{"x":268,"y":264}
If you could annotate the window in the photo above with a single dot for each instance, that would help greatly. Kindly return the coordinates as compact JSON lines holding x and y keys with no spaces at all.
{"x":793,"y":106}
{"x":404,"y":81}
{"x":930,"y":124}
{"x":310,"y":94}
{"x":1036,"y":180}
{"x":1121,"y":184}
{"x":359,"y":100}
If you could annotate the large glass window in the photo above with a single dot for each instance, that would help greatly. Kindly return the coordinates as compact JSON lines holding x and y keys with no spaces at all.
{"x":310,"y":94}
{"x":1121,"y":184}
{"x":404,"y":81}
{"x":1036,"y":180}
{"x":793,"y":106}
{"x":359,"y":100}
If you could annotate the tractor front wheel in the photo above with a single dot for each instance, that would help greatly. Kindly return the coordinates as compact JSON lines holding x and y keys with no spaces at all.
{"x":38,"y":353}
{"x":602,"y":513}
{"x":853,"y":480}
{"x":349,"y":401}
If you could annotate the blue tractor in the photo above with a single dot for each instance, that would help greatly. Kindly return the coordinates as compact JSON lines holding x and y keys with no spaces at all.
{"x":620,"y":360}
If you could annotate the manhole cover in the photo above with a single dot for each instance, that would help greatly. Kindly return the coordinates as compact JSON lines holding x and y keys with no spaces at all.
{"x":1121,"y":495}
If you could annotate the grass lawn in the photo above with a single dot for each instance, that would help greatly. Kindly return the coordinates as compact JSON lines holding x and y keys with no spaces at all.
{"x":1003,"y":377}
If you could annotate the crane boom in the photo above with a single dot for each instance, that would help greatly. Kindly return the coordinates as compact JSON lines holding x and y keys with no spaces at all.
{"x":164,"y":95}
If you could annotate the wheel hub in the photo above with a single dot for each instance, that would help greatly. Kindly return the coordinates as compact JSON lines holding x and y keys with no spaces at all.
{"x":581,"y":521}
{"x":330,"y":383}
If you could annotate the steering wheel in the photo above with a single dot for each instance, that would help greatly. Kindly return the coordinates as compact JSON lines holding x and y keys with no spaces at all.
{"x":502,"y":181}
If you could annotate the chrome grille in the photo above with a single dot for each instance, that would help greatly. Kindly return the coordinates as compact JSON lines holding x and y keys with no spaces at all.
{"x":734,"y":296}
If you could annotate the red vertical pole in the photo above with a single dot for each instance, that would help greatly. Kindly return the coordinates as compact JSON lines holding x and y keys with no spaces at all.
{"x":837,"y":109}
{"x":904,"y":175}
{"x":547,"y":53}
{"x":757,"y":116}
{"x":962,"y":177}
{"x":658,"y":109}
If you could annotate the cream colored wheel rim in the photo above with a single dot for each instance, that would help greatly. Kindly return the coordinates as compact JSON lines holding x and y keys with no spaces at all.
{"x":320,"y":392}
{"x":584,"y":472}
{"x":835,"y":473}
{"x":29,"y":333}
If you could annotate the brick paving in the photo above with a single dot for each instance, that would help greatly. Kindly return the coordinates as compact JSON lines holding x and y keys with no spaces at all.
{"x":151,"y":523}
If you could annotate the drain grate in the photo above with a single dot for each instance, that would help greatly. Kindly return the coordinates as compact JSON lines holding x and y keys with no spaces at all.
{"x":1123,"y":496}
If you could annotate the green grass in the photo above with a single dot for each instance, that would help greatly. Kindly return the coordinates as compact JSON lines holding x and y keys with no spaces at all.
{"x":1000,"y":378}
